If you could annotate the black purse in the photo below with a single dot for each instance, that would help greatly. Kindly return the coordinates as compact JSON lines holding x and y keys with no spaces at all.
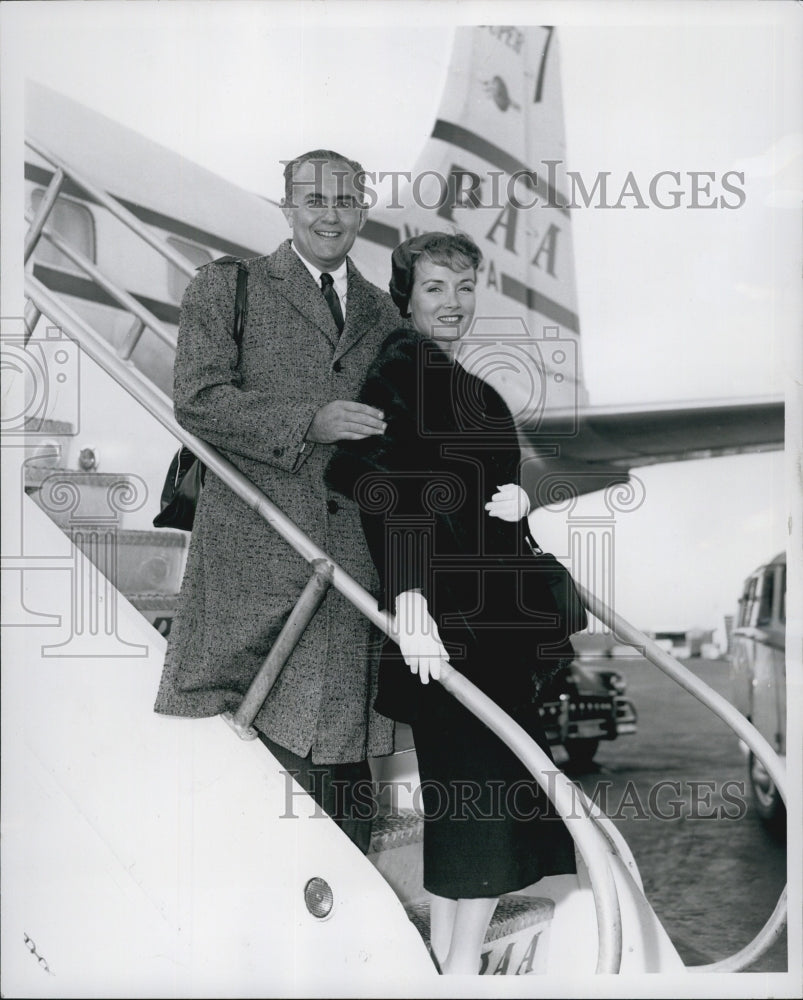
{"x":560,"y":587}
{"x":185,"y":476}
{"x":554,"y":592}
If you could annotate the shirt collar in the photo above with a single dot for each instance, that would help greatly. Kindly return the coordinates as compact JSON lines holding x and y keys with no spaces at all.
{"x":339,"y":276}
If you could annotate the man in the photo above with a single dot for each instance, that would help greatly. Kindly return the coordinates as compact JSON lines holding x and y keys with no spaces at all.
{"x":275,"y":410}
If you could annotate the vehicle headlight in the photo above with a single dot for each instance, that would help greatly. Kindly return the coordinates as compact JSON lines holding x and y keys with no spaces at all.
{"x":617,"y":683}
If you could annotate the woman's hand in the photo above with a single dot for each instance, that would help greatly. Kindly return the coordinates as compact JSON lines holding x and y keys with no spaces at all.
{"x":511,"y":503}
{"x":418,"y":637}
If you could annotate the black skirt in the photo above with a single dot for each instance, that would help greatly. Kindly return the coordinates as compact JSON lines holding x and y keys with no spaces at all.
{"x":489,"y":828}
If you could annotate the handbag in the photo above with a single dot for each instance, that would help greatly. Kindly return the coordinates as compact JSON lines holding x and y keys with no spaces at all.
{"x":557,"y":596}
{"x":186,"y":473}
{"x":560,"y":587}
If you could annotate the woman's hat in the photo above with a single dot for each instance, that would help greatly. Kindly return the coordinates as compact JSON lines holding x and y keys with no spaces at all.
{"x":402,"y":262}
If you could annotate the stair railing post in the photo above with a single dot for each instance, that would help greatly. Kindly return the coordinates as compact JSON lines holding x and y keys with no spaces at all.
{"x":42,"y":213}
{"x":31,"y":317}
{"x":305,"y":607}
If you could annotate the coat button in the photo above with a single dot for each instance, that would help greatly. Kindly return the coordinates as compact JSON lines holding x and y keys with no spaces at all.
{"x":337,"y":367}
{"x":332,"y":506}
{"x":278,"y":452}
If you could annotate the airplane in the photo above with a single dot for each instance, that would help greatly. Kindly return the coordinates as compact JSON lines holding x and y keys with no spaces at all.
{"x":134,"y":846}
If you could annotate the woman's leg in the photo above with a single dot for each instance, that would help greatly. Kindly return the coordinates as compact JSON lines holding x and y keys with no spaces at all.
{"x":471,"y":921}
{"x":442,"y":912}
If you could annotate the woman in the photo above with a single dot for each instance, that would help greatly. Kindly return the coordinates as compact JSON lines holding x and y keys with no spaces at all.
{"x":445,"y":522}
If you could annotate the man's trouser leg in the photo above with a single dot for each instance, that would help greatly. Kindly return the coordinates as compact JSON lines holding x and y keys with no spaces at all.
{"x":343,"y":791}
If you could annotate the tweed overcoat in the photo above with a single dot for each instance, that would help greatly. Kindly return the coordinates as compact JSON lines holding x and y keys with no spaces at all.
{"x":242,"y":579}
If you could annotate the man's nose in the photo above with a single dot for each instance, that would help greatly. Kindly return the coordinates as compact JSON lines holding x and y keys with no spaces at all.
{"x":330,"y":212}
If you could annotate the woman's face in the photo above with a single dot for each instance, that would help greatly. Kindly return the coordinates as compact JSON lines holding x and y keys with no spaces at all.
{"x":442,"y":302}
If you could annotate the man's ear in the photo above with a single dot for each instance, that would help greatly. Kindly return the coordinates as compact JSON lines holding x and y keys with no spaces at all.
{"x":288,"y":213}
{"x":363,"y":218}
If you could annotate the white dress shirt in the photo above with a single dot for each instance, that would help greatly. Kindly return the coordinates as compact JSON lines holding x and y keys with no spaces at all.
{"x":339,"y":279}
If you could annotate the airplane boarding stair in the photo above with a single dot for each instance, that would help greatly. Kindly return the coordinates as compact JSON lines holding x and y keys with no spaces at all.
{"x":518,"y":940}
{"x":165,"y":831}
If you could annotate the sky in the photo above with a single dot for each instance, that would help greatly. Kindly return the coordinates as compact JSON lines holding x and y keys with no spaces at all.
{"x":674,"y":305}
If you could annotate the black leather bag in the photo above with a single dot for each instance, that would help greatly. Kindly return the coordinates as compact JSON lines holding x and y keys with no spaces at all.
{"x":185,"y":476}
{"x":571,"y":612}
{"x":554,"y":592}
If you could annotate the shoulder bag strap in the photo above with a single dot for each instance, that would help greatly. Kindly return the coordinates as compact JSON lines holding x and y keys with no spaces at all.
{"x":240,"y":302}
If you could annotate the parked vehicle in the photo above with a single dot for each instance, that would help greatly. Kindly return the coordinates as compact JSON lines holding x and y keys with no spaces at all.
{"x":758,"y":661}
{"x":584,"y":706}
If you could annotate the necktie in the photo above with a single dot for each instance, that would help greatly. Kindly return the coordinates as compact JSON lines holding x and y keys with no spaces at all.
{"x":329,"y":293}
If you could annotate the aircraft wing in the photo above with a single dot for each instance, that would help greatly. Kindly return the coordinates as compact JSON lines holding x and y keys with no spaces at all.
{"x":594,"y":447}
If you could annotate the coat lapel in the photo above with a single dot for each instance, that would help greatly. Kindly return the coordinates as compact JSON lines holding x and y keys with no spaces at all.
{"x":299,"y":288}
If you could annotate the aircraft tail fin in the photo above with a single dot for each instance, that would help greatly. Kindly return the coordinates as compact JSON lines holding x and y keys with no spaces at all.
{"x":494,"y":168}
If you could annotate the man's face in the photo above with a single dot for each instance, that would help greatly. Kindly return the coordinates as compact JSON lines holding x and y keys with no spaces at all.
{"x":325,"y":215}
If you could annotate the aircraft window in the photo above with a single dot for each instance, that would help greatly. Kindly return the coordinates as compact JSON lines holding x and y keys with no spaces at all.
{"x":195,"y":254}
{"x":782,"y":608}
{"x":74,"y":223}
{"x":765,"y":607}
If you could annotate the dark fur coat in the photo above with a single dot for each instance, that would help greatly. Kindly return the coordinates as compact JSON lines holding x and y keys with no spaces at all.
{"x":422,"y":489}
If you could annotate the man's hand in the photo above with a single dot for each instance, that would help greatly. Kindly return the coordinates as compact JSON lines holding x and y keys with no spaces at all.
{"x":342,"y":420}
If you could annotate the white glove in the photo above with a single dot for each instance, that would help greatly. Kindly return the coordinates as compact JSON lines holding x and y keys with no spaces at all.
{"x":418,"y":637}
{"x":511,"y":503}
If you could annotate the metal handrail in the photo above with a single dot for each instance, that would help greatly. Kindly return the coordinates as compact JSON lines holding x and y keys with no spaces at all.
{"x":744,"y":729}
{"x":110,"y":203}
{"x":561,"y":791}
{"x":125,"y":299}
{"x":38,"y":222}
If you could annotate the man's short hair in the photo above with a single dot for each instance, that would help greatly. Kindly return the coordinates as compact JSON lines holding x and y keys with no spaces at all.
{"x":318,"y":155}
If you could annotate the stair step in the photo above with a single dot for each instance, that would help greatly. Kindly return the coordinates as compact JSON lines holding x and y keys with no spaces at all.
{"x":518,"y":937}
{"x":70,"y":495}
{"x":396,"y":829}
{"x":158,"y":609}
{"x":397,"y":852}
{"x":44,"y":425}
{"x":87,"y":506}
{"x":146,"y":561}
{"x":48,"y":443}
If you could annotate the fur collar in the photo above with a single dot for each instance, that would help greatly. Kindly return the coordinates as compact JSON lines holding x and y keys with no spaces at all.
{"x":413,"y":381}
